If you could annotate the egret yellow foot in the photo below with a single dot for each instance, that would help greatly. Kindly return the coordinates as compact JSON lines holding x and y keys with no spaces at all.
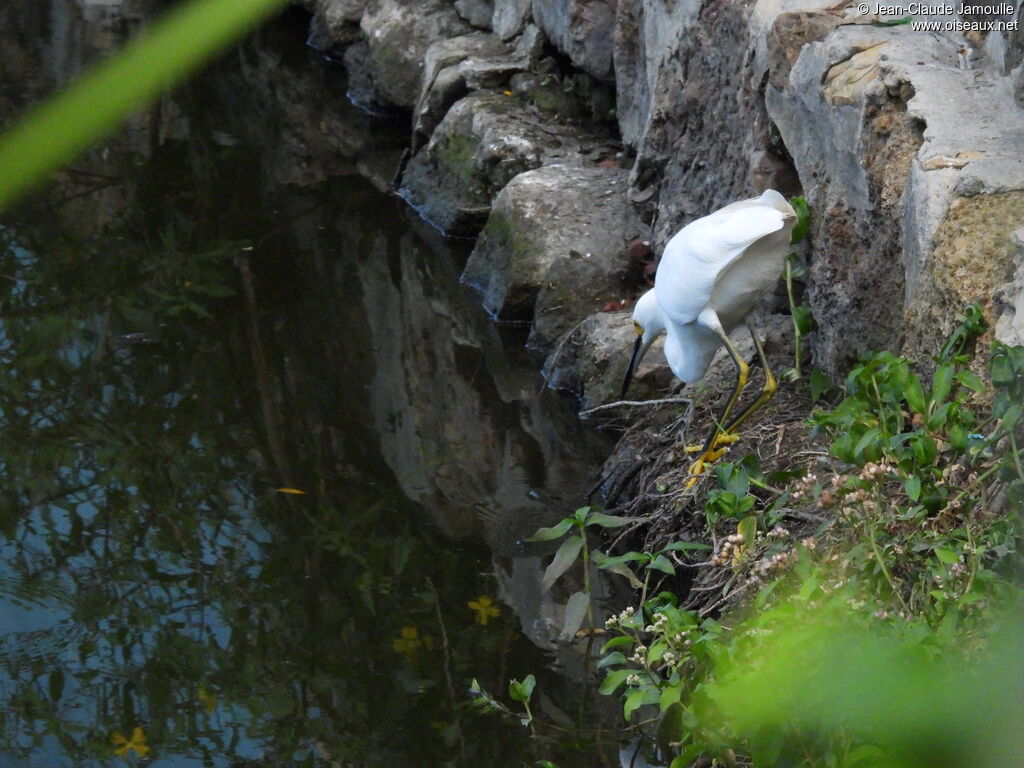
{"x":724,"y":438}
{"x":698,"y":467}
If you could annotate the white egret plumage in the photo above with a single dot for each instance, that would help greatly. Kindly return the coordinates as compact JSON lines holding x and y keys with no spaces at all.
{"x":712,"y":274}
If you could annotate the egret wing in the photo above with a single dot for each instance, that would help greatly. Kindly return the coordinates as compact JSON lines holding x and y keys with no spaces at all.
{"x":704,"y":249}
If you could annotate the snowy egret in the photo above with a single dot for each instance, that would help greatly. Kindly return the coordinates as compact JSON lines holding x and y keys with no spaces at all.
{"x":713,"y":272}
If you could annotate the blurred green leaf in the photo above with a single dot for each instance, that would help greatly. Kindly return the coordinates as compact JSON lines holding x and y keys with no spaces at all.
{"x":171,"y":49}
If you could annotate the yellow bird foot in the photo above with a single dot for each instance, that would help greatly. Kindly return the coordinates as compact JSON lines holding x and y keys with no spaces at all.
{"x":698,"y":467}
{"x":724,"y":438}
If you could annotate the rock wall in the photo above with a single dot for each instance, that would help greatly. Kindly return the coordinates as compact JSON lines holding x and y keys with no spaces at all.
{"x":563,"y":128}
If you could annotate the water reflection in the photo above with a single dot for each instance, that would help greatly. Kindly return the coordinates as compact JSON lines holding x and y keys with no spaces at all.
{"x":209,"y":312}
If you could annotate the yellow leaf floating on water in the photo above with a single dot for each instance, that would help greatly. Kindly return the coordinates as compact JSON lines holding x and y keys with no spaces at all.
{"x":207,"y":699}
{"x":136,"y":742}
{"x":294,"y":491}
{"x":484,"y":608}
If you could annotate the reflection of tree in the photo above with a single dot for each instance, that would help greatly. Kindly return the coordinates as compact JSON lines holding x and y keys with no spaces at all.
{"x":167,"y":359}
{"x":162,"y":584}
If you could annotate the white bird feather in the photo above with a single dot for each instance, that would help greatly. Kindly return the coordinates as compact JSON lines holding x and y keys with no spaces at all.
{"x":712,"y":273}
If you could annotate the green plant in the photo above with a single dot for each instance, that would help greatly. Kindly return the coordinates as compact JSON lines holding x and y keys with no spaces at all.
{"x":905,"y":588}
{"x":577,"y":545}
{"x":803,"y":320}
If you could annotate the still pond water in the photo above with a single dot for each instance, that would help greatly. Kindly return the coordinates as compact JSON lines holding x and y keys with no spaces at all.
{"x":265,"y":461}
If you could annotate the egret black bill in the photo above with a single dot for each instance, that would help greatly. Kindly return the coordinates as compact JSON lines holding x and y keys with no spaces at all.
{"x":634,"y":361}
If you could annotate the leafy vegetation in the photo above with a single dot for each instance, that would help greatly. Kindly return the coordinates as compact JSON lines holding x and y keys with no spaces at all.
{"x":796,"y":269}
{"x":886,"y":637}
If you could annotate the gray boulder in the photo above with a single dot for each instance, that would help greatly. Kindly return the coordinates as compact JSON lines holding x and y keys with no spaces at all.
{"x":476,"y":12}
{"x":510,"y":16}
{"x":583,"y":30}
{"x":554,"y":248}
{"x":387,"y":69}
{"x":335,"y":23}
{"x":444,"y":79}
{"x":484,"y":141}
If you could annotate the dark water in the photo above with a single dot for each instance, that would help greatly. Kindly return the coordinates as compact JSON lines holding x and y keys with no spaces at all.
{"x":209,"y":312}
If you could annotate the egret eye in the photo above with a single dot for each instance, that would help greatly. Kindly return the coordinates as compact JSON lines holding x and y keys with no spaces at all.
{"x":638,"y":328}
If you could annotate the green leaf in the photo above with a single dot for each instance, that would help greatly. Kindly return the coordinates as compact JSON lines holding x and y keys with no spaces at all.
{"x":621,"y":569}
{"x":611,"y":521}
{"x":971,"y":380}
{"x":617,"y":642}
{"x":748,"y":529}
{"x":562,"y":561}
{"x":940,"y":416}
{"x":687,"y":546}
{"x":663,"y":564}
{"x":942,"y":383}
{"x":912,"y":485}
{"x":613,"y":680}
{"x":803,"y":219}
{"x":1011,"y":416}
{"x":947,"y":555}
{"x":552,"y":533}
{"x":601,"y":560}
{"x":575,"y":612}
{"x":639,"y":698}
{"x":803,"y":318}
{"x":866,"y":439}
{"x":820,"y":384}
{"x":670,"y":696}
{"x":612,"y":658}
{"x":175,"y":46}
{"x":529,"y":682}
{"x":914,"y":394}
{"x":1001,"y":369}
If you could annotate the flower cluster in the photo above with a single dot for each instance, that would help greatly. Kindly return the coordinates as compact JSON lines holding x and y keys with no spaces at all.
{"x":764,"y":568}
{"x":614,"y":621}
{"x":730,"y":551}
{"x":803,"y":486}
{"x":875,"y":470}
{"x":682,"y":638}
{"x":660,"y":622}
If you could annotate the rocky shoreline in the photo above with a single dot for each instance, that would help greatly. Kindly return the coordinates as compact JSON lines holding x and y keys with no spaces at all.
{"x":559,"y":132}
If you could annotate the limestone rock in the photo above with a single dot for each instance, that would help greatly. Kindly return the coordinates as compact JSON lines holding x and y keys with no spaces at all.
{"x":582,"y":29}
{"x":484,"y":141}
{"x":1010,"y":325}
{"x":974,"y":260}
{"x":647,"y":33}
{"x":397,"y":35}
{"x":335,"y":23}
{"x":510,"y":16}
{"x":554,"y":248}
{"x":444,"y":81}
{"x":893,"y":168}
{"x":476,"y":12}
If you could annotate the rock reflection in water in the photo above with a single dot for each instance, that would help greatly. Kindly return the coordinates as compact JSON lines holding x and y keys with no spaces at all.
{"x":181,"y":334}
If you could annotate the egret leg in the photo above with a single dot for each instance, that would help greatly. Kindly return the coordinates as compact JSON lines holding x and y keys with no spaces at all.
{"x":767,"y":391}
{"x":710,"y":451}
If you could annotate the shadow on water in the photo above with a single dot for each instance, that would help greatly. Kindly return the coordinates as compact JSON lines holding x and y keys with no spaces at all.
{"x":260,"y":449}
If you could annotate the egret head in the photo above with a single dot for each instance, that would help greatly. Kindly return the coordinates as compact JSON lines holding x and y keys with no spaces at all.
{"x":649,"y":324}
